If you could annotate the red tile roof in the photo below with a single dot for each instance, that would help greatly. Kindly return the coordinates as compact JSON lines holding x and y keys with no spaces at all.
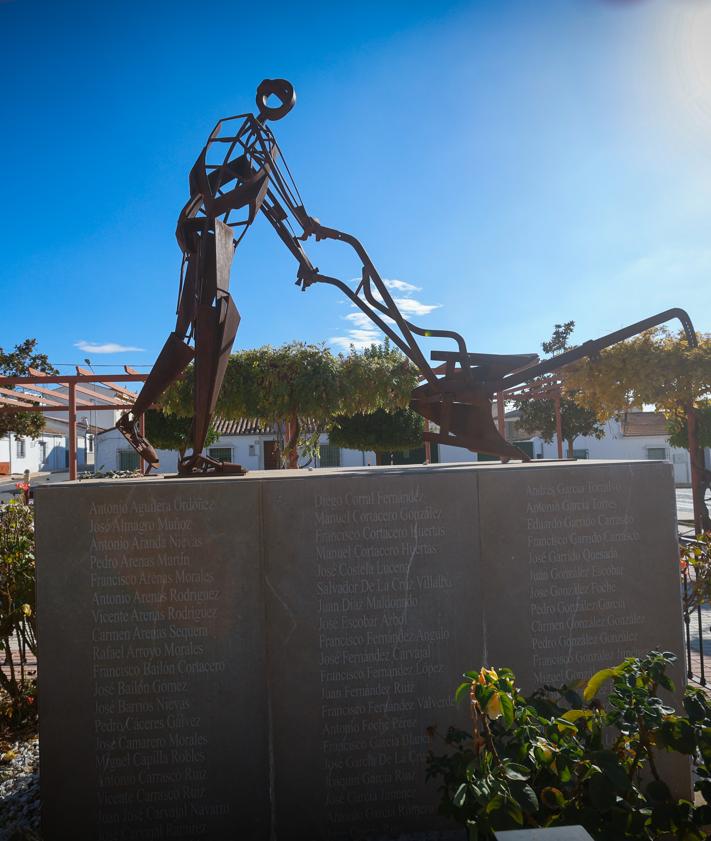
{"x":643,"y":423}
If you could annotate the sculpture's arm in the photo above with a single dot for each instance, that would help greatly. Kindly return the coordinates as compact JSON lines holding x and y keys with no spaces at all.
{"x":372,"y":295}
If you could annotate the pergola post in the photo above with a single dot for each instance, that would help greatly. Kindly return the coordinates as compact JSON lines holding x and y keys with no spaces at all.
{"x":696,"y":460}
{"x":142,"y":464}
{"x":500,"y":414}
{"x":558,"y":424}
{"x":72,"y":431}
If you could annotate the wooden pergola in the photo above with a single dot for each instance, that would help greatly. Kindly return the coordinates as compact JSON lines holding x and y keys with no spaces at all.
{"x":31,"y":394}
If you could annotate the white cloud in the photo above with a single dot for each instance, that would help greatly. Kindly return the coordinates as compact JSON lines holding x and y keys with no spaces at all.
{"x":409,"y":306}
{"x":363,"y":332}
{"x":106,"y":347}
{"x":402,"y":286}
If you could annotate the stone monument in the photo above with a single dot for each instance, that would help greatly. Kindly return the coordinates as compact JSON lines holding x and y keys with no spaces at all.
{"x":268,"y":656}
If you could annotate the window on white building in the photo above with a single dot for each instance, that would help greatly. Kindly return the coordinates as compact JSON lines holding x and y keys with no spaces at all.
{"x":581,"y":453}
{"x":220,"y":453}
{"x":128,"y":460}
{"x":20,"y":448}
{"x":90,"y":443}
{"x":329,"y":455}
{"x":658,"y":453}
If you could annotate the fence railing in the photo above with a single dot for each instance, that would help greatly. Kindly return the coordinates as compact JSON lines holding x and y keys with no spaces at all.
{"x":697,"y":619}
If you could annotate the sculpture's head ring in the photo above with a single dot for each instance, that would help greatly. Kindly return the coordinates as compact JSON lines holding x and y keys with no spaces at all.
{"x":284,"y":92}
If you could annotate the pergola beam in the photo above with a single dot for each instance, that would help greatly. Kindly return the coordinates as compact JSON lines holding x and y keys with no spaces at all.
{"x":117,"y":388}
{"x":20,"y":402}
{"x":65,"y":379}
{"x":23,"y":395}
{"x":9,"y":407}
{"x":15,"y":403}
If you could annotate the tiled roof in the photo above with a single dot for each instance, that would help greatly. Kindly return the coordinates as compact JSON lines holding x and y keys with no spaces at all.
{"x":252,"y":426}
{"x":242,"y":426}
{"x":643,"y":423}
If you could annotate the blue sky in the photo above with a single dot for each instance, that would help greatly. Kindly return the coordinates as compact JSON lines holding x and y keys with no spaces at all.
{"x":512,"y":164}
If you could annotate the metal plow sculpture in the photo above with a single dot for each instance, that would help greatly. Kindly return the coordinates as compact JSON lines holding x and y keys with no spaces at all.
{"x":238,"y":175}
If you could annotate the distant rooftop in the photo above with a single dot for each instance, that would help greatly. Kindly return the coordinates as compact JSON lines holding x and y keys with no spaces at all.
{"x":643,"y":423}
{"x":253,"y":426}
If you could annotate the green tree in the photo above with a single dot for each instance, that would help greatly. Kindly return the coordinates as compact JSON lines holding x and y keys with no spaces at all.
{"x":300,"y":382}
{"x":655,"y":368}
{"x":380,"y":431}
{"x":679,"y":432}
{"x":172,"y":432}
{"x":17,"y":363}
{"x":538,"y":415}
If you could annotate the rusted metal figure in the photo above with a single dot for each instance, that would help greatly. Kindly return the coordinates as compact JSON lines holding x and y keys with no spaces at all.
{"x":232,"y":173}
{"x":455,"y":395}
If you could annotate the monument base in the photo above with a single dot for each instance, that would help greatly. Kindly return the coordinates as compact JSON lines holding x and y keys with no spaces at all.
{"x":272,"y":656}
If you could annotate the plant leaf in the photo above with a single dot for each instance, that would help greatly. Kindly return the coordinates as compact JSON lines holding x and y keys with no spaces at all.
{"x":597,"y":680}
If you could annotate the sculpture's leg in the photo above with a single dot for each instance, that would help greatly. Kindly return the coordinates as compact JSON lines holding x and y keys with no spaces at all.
{"x":215,"y":331}
{"x":216,"y":323}
{"x":173,"y":359}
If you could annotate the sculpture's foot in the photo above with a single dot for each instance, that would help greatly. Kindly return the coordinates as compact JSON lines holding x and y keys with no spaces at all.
{"x":128,"y":427}
{"x":197,"y":465}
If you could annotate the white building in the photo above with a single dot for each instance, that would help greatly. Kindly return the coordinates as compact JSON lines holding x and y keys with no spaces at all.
{"x":243,"y":441}
{"x":50,"y":452}
{"x":636,"y":435}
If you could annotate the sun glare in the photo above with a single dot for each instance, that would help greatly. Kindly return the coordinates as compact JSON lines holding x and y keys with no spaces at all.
{"x":691,"y":55}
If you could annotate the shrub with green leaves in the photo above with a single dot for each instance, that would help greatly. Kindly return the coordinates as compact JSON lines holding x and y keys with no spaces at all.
{"x":695,"y":560}
{"x":17,"y":609}
{"x":558,"y":758}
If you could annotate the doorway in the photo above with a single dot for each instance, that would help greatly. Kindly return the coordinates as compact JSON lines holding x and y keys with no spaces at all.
{"x":271,"y":456}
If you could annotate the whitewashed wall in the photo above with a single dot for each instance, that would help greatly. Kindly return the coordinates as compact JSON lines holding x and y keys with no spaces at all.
{"x":614,"y":445}
{"x":51,"y":457}
{"x":247,"y":450}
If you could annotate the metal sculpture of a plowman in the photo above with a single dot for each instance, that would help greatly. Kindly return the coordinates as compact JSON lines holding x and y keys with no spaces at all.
{"x":455,"y":394}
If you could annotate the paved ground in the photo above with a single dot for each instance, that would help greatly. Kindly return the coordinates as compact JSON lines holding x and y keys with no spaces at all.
{"x":685,"y":508}
{"x":30,"y":661}
{"x":8,"y":489}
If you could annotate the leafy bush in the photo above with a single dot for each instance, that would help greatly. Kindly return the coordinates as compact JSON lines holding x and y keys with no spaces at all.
{"x":557,"y":758}
{"x":17,"y":609}
{"x":380,"y":431}
{"x":300,"y":383}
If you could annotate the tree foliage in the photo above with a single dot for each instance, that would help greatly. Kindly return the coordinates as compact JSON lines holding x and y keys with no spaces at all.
{"x":305,"y":380}
{"x":380,"y":431}
{"x":655,"y":368}
{"x":297,"y":382}
{"x":679,"y":432}
{"x":659,"y":368}
{"x":538,"y":415}
{"x":172,"y":432}
{"x":17,"y":363}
